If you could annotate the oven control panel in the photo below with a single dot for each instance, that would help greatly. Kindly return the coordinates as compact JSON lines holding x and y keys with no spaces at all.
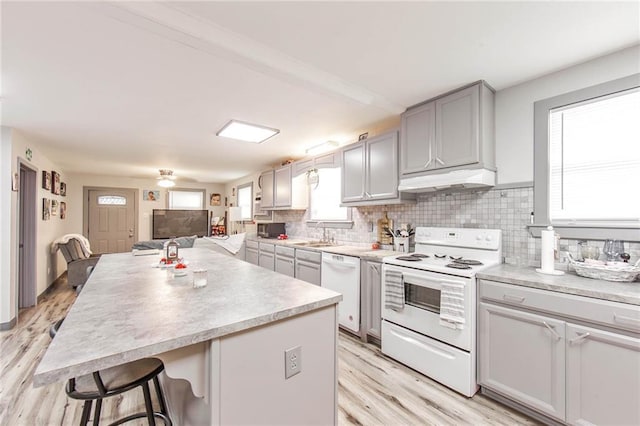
{"x":490,"y":239}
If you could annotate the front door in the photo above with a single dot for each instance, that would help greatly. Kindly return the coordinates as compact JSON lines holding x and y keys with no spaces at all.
{"x":111,"y":219}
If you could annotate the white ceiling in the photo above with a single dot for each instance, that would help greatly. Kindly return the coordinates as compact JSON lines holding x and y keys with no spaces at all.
{"x":127,"y":88}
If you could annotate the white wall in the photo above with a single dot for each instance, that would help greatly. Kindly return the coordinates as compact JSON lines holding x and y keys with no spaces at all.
{"x":48,"y":265}
{"x":7,"y":305}
{"x":514,"y":108}
{"x":77,"y":182}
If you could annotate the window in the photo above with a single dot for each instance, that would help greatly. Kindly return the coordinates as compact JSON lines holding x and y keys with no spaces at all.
{"x":186,"y":199}
{"x":245,"y":197}
{"x":325,"y":196}
{"x":112,"y":200}
{"x":587,"y":160}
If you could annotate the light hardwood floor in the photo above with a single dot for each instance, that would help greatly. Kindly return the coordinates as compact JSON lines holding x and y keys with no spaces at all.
{"x":373,"y":389}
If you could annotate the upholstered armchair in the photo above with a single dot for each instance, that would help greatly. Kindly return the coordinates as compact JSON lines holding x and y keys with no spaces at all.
{"x":79,"y":265}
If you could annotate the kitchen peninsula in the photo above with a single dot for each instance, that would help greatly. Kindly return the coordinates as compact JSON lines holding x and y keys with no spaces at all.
{"x":227,"y":340}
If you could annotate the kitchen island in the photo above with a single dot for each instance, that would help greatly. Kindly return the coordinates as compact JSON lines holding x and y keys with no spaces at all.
{"x":226,"y":340}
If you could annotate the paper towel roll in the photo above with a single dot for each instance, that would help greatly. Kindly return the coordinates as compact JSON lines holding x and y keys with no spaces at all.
{"x":547,"y":254}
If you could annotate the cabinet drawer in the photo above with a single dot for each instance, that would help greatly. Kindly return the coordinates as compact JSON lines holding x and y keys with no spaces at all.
{"x":613,"y":314}
{"x":267,"y":248}
{"x":252,"y":244}
{"x":308,"y":255}
{"x":285,"y":251}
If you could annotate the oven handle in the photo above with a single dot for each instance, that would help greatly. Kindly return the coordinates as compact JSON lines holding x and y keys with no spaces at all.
{"x":433,"y":283}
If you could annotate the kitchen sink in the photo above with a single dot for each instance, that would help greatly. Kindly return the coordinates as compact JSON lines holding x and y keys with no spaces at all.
{"x":313,"y":244}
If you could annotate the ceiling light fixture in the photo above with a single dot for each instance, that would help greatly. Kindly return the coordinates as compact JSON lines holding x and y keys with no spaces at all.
{"x":246,"y":132}
{"x":322,"y":147}
{"x":166,"y":178}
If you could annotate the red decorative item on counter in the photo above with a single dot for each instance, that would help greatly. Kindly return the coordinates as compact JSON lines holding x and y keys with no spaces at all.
{"x":283,"y":236}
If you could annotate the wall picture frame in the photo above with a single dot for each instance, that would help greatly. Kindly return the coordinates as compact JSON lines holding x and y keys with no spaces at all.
{"x":215,"y":200}
{"x":55,"y":182}
{"x":46,"y":209}
{"x":150,"y":195}
{"x":63,"y":210}
{"x":54,"y":207}
{"x":63,"y":189}
{"x":46,"y":180}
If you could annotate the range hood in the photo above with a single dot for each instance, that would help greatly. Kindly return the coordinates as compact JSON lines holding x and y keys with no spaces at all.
{"x":456,"y":179}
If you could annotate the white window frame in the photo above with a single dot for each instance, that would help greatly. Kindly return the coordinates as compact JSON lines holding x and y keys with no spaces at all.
{"x":603,"y":230}
{"x":247,"y":211}
{"x":194,"y":190}
{"x":346,"y":223}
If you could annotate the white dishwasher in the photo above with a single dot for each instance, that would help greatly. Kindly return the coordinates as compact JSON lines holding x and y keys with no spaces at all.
{"x":342,"y":274}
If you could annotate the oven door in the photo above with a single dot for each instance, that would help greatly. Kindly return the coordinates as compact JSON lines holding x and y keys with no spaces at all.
{"x":421,"y":312}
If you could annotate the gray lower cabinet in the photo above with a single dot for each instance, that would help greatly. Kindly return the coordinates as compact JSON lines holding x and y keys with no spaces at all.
{"x":251,"y":252}
{"x":451,"y":131}
{"x":524,"y":358}
{"x":370,"y":172}
{"x":572,"y":358}
{"x":267,"y":256}
{"x":370,"y":305}
{"x":285,"y":260}
{"x":308,"y":267}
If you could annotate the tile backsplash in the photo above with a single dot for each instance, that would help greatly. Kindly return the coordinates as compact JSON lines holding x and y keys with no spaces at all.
{"x":505,"y":209}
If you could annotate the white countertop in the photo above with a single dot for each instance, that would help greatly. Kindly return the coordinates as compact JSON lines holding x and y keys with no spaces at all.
{"x":129,"y":310}
{"x":570,"y":283}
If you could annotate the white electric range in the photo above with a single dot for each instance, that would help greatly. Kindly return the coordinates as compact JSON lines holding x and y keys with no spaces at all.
{"x":429,"y":302}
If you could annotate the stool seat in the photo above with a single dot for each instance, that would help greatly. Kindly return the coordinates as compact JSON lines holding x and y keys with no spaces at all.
{"x":119,"y":377}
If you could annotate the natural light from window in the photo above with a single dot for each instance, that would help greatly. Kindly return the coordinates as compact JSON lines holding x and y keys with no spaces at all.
{"x":325,"y":197}
{"x":594,"y":155}
{"x":186,"y":200}
{"x":244,"y":201}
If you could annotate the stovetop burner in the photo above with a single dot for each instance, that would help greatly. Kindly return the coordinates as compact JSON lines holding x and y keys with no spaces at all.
{"x":409,"y":258}
{"x":467,"y":261}
{"x":424,"y":256}
{"x":454,"y":258}
{"x":440,"y":256}
{"x":457,"y":266}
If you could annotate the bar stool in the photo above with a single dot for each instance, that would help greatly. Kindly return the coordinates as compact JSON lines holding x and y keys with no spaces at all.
{"x":114,"y":381}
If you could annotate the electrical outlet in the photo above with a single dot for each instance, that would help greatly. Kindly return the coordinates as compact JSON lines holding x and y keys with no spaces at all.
{"x":292,"y":361}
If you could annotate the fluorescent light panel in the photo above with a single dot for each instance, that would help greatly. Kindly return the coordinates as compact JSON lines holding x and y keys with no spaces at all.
{"x":323,"y":147}
{"x":246,"y":132}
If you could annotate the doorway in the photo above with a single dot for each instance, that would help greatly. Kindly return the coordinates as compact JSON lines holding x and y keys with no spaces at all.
{"x":111,"y":215}
{"x":27,"y":286}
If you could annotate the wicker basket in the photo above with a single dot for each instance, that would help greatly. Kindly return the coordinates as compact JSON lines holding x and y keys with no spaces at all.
{"x":604,"y":272}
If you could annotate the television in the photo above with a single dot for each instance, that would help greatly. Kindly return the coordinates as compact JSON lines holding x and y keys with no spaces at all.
{"x":179,"y":223}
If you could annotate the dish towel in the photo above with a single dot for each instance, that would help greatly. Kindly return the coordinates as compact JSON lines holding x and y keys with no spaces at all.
{"x":393,"y":290}
{"x":232,"y":243}
{"x":84,"y":243}
{"x":452,"y":306}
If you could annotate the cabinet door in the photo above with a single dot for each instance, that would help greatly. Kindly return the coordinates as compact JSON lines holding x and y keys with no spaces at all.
{"x":353,"y":173}
{"x":282,"y":190}
{"x":417,"y":136}
{"x":266,"y":185}
{"x":267,"y":260}
{"x":522,"y":356}
{"x":308,"y":271}
{"x":382,"y":167}
{"x":251,"y":255}
{"x":603,"y":377}
{"x":457,"y":129}
{"x":371,"y":283}
{"x":284,"y":265}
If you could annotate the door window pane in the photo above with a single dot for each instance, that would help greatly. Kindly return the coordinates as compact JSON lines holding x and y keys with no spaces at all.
{"x":112,"y":200}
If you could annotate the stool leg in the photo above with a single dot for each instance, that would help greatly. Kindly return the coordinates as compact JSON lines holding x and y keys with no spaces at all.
{"x":163,"y":404}
{"x":96,"y":413}
{"x":86,"y":411}
{"x":148,"y":404}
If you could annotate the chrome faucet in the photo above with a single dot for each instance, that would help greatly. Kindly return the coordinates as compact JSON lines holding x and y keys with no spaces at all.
{"x":324,"y":232}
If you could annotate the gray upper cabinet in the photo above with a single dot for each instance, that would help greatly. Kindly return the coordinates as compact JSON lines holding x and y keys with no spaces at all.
{"x":452,"y":131}
{"x":282,"y":182}
{"x":370,"y":172}
{"x":328,"y":160}
{"x":265,"y":182}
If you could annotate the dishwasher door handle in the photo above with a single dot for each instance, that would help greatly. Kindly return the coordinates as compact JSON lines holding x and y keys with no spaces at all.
{"x":343,"y":264}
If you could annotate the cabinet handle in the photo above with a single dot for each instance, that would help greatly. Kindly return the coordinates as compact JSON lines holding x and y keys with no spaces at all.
{"x":510,"y":298}
{"x":553,"y":332}
{"x":260,"y":182}
{"x":622,"y":319}
{"x":579,"y":339}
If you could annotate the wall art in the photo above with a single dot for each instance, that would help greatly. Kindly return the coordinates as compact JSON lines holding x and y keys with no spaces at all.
{"x":46,"y":209}
{"x":63,"y":189}
{"x":55,"y":182}
{"x":215,"y":200}
{"x":46,"y":180}
{"x":150,"y":195}
{"x":63,"y":210}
